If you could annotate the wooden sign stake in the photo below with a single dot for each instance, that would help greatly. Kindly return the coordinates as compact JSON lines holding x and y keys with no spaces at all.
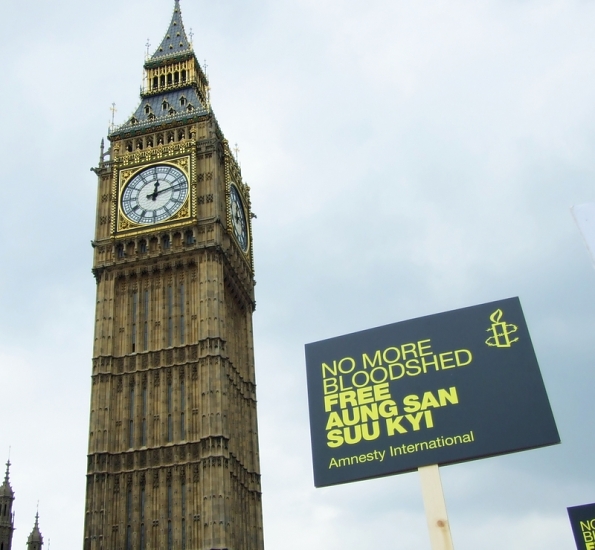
{"x":431,"y":488}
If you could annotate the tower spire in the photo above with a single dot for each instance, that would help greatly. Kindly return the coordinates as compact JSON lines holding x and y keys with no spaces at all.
{"x":175,"y":86}
{"x":35,"y":540}
{"x":7,"y":516}
{"x":5,"y":488}
{"x":175,"y":41}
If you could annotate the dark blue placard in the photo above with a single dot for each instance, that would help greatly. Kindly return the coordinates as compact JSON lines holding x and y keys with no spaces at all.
{"x":582,"y":519}
{"x":441,"y":389}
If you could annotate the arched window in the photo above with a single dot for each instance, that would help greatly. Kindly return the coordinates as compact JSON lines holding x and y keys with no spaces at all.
{"x":129,"y":514}
{"x":184,"y":75}
{"x":131,"y":424}
{"x":182,"y":320}
{"x":183,"y":101}
{"x":143,"y":499}
{"x":162,"y":80}
{"x":170,"y":321}
{"x":146,"y":322}
{"x":165,"y":105}
{"x":142,"y":246}
{"x":170,"y":137}
{"x":120,"y":252}
{"x":144,"y":441}
{"x":189,"y":238}
{"x":129,"y":146}
{"x":139,"y":144}
{"x":170,"y":434}
{"x":181,"y":135}
{"x":183,"y":430}
{"x":165,"y":242}
{"x":155,"y":82}
{"x":169,"y":79}
{"x":176,"y":77}
{"x":147,"y":109}
{"x":183,"y":515}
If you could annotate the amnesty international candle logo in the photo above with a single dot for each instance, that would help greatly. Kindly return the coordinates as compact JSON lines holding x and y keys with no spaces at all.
{"x":425,"y":391}
{"x":501,"y":331}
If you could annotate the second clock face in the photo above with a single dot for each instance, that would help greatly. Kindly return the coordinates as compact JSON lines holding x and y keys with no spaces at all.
{"x":155,"y":194}
{"x":238,"y":218}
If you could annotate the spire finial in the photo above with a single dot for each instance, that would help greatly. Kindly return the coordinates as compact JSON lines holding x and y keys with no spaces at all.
{"x":5,"y":488}
{"x":114,"y":111}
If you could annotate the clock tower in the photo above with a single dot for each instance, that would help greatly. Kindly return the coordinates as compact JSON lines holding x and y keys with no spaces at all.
{"x":173,"y":458}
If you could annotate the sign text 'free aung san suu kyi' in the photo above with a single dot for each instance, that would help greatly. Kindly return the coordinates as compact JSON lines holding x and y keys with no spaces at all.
{"x":440,"y":389}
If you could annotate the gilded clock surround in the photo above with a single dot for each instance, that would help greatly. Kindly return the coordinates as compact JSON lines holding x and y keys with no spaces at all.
{"x":173,"y":460}
{"x":126,"y":175}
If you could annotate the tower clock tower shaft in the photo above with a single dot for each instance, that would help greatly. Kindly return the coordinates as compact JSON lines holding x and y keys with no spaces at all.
{"x":173,"y":459}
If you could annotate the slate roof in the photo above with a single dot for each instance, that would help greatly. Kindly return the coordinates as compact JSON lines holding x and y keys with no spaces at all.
{"x":175,"y":41}
{"x":175,"y":105}
{"x":179,"y":101}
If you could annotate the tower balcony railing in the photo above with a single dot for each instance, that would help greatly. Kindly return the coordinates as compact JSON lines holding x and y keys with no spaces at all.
{"x":165,"y":119}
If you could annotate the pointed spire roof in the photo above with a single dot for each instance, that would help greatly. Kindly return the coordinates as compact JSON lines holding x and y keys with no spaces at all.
{"x":175,"y":41}
{"x":35,"y":535}
{"x":5,"y":488}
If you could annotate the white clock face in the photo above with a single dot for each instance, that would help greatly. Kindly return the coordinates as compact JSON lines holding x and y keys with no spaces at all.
{"x":238,"y":218}
{"x":155,"y":194}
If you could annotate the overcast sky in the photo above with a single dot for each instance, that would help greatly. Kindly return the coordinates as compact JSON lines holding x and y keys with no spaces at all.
{"x":405,"y":158}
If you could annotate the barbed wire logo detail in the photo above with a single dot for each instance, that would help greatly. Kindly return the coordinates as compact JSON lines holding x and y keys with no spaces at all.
{"x":501,"y":331}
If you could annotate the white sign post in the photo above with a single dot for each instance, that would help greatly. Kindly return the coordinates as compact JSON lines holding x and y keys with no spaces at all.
{"x":584,"y":215}
{"x":435,"y":506}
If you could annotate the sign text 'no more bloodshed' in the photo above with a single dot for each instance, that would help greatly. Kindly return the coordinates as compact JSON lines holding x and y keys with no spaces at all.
{"x":441,"y":389}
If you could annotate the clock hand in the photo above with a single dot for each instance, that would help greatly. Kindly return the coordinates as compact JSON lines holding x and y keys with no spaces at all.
{"x":153,"y":195}
{"x":167,"y":189}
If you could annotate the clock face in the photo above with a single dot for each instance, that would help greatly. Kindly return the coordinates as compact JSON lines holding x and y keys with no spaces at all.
{"x":238,"y":217}
{"x":155,"y":194}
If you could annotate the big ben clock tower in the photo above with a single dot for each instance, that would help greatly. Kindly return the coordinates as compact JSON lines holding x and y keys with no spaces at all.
{"x":173,"y":458}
